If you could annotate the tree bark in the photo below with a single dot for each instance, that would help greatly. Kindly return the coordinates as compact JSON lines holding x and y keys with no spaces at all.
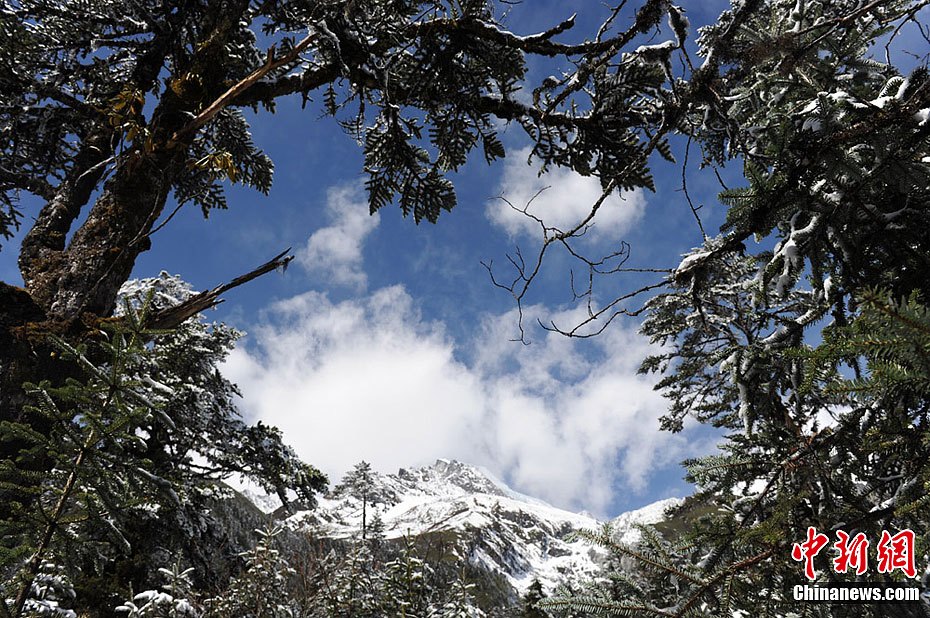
{"x":69,"y":288}
{"x":86,"y":277}
{"x":48,"y":234}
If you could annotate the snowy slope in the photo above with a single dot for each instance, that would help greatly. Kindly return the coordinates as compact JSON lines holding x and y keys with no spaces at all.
{"x":517,"y":536}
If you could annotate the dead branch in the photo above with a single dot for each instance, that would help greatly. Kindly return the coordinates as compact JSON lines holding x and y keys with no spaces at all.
{"x":610,"y":264}
{"x":172,"y":317}
{"x":225,"y":99}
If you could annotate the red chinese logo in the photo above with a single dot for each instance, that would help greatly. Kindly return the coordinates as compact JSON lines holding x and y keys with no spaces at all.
{"x":897,"y":552}
{"x":851,"y":554}
{"x":894,"y":551}
{"x":809,"y":549}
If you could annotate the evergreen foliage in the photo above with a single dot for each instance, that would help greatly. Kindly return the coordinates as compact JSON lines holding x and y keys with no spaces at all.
{"x":529,"y":603}
{"x":418,"y":84}
{"x":136,"y":447}
{"x":171,"y":601}
{"x":359,"y":484}
{"x":98,"y":472}
{"x":262,"y":590}
{"x":809,"y":350}
{"x":201,"y":419}
{"x":354,"y":580}
{"x":349,"y":585}
{"x":50,"y":594}
{"x":459,"y":602}
{"x":407,"y":593}
{"x":109,"y":110}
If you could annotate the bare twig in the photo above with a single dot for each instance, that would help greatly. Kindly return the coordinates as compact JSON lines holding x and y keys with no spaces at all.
{"x":614,"y":13}
{"x":609,"y":310}
{"x":911,"y":17}
{"x":684,"y":188}
{"x":166,"y":221}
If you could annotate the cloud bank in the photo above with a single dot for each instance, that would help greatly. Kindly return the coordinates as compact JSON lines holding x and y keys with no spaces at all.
{"x":372,"y":379}
{"x":561,"y":199}
{"x":334,"y":253}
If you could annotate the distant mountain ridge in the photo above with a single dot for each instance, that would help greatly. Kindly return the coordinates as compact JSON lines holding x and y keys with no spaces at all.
{"x":518,"y":537}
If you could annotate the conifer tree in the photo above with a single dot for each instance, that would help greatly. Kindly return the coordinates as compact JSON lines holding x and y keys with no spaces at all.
{"x":137,"y":446}
{"x":833,"y":139}
{"x":97,"y":472}
{"x":459,"y":602}
{"x":376,"y":532}
{"x":804,"y":348}
{"x":359,"y":483}
{"x":51,"y":593}
{"x":407,"y":591}
{"x":529,"y":602}
{"x":112,"y":112}
{"x":173,"y":600}
{"x":263,"y":590}
{"x":347,"y":584}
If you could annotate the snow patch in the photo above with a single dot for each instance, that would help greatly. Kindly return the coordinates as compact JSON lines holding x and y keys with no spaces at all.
{"x":518,"y":536}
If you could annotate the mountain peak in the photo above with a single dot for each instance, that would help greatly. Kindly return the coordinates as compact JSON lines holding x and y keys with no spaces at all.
{"x":451,"y":477}
{"x":497,"y":529}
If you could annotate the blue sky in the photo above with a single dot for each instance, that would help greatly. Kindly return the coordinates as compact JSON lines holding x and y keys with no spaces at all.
{"x":386,"y":341}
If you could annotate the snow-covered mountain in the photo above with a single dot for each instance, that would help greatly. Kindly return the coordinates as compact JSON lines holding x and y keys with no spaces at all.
{"x":496,"y":528}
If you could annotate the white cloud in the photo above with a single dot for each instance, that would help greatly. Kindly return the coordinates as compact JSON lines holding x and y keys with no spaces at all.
{"x":334,"y":253}
{"x":372,"y":379}
{"x":566,"y":198}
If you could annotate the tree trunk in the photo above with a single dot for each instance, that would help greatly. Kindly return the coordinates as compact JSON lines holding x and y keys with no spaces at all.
{"x":85,"y":277}
{"x":69,"y":288}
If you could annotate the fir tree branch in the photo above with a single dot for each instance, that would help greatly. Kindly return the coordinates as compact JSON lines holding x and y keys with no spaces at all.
{"x":266,"y":91}
{"x":34,"y":563}
{"x":541,"y":44}
{"x":727,"y":572}
{"x":597,"y":605}
{"x":34,"y":184}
